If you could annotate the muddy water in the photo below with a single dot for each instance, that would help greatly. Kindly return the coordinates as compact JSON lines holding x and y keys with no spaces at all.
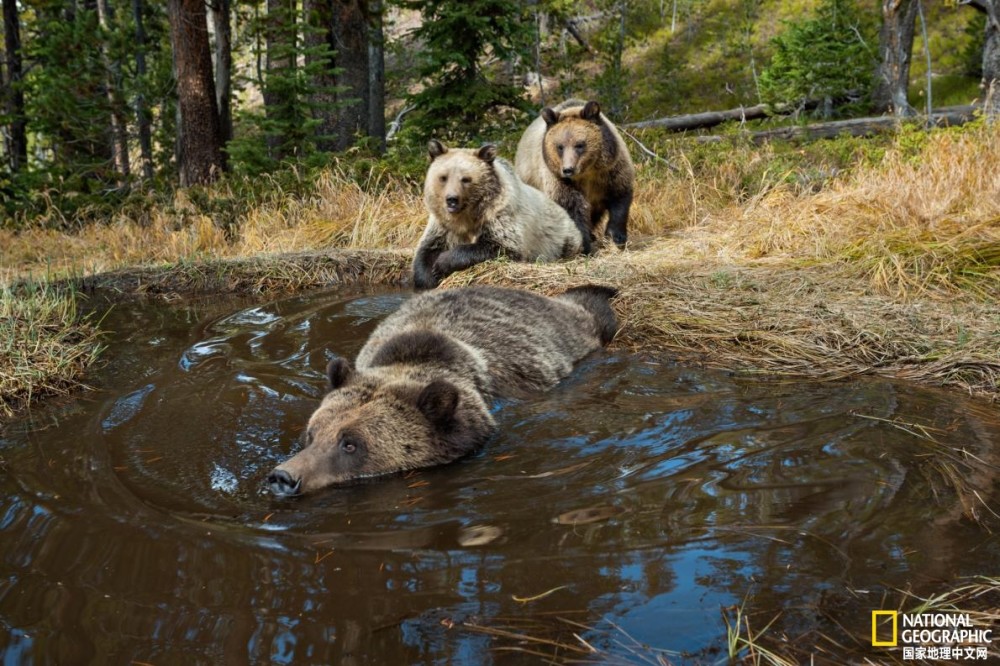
{"x":644,"y":496}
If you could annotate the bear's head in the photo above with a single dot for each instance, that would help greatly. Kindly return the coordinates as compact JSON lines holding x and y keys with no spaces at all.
{"x":369,"y":425}
{"x":460,"y":181}
{"x":574,"y":140}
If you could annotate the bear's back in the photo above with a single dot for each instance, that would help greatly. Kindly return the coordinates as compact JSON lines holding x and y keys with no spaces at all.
{"x":527,"y":342}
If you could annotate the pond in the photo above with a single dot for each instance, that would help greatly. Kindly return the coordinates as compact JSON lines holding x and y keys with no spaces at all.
{"x":632,"y":510}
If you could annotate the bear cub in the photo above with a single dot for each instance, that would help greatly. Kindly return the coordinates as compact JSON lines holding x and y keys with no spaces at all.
{"x":479,"y":209}
{"x":420,"y":390}
{"x":576,"y":156}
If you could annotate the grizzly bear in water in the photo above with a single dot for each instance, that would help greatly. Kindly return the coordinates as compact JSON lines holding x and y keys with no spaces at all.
{"x":479,"y":209}
{"x":575,"y":155}
{"x":419,"y":393}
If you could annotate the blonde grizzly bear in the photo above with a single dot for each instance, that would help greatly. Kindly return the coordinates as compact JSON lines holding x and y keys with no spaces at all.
{"x":479,"y":209}
{"x":574,"y":154}
{"x":420,"y":391}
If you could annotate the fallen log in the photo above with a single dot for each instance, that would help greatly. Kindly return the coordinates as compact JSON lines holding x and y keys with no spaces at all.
{"x":704,"y":119}
{"x":945,"y":116}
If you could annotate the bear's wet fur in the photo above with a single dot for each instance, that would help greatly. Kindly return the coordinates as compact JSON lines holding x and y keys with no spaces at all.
{"x":576,"y":156}
{"x":479,"y":209}
{"x":420,"y":390}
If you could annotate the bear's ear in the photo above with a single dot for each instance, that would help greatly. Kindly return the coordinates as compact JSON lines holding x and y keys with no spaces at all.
{"x":438,"y":402}
{"x":435,"y":149}
{"x":488,"y":153}
{"x":551,"y":116}
{"x":338,"y":371}
{"x":591,"y":111}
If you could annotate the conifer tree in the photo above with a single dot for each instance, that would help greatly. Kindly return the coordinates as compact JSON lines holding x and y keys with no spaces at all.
{"x":823,"y":57}
{"x":460,"y":91}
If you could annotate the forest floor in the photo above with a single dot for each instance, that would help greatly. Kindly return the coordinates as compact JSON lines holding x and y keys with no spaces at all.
{"x":888,"y":268}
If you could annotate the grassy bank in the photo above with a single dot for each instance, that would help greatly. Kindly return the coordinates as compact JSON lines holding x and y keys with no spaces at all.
{"x":826,"y":260}
{"x":44,"y":345}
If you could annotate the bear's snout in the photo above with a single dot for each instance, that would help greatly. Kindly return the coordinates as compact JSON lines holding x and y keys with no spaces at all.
{"x":282,"y":484}
{"x":452,"y":203}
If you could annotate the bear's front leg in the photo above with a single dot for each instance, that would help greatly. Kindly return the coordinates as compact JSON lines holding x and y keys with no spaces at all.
{"x":466,"y":256}
{"x":579,"y":211}
{"x":423,"y":264}
{"x":618,"y":208}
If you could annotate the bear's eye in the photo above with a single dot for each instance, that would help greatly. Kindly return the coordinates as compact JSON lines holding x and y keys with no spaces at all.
{"x":559,"y":148}
{"x":579,"y":148}
{"x":348,"y":444}
{"x":443,"y":179}
{"x":466,"y":180}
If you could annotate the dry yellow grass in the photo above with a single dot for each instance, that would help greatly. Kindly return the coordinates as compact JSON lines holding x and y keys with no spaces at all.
{"x":44,"y":347}
{"x":339,"y":213}
{"x":913,"y":223}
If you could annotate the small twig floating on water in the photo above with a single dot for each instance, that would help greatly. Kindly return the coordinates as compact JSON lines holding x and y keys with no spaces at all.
{"x":524,"y":600}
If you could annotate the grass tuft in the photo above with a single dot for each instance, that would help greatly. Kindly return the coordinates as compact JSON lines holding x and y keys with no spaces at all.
{"x":44,"y":346}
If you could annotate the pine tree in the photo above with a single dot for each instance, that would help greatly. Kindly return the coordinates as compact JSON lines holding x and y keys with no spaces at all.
{"x":820,"y":58}
{"x":289,"y":127}
{"x":460,"y":92}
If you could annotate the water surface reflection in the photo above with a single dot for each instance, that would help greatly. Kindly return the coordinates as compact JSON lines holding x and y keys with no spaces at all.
{"x":643,"y":495}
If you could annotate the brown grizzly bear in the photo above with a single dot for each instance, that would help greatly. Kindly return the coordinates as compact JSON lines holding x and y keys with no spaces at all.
{"x":574,"y":154}
{"x":419,"y":393}
{"x":479,"y":209}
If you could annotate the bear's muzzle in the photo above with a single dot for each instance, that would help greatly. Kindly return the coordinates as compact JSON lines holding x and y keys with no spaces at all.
{"x":282,"y":484}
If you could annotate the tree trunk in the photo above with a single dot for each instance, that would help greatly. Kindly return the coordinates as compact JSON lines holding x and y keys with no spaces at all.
{"x":991,"y":59}
{"x":991,"y":54}
{"x":201,"y":149}
{"x":112,"y":78}
{"x":342,"y":92}
{"x":279,"y":36}
{"x":16,"y":137}
{"x":895,"y":40}
{"x":141,"y":112}
{"x":222,"y":23}
{"x":376,"y":75}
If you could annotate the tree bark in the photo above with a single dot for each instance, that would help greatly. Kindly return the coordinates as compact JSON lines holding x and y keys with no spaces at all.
{"x":342,"y":91}
{"x":376,"y":75}
{"x":201,"y":145}
{"x":892,"y":74}
{"x":141,"y":112}
{"x":112,"y":78}
{"x":222,"y":23}
{"x":16,"y":137}
{"x":991,"y":54}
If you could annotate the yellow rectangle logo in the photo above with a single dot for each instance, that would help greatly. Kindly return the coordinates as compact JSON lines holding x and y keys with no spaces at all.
{"x":884,"y":614}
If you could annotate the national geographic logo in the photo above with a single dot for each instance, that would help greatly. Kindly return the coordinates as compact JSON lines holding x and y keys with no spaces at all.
{"x":885,"y":615}
{"x":949,"y":636}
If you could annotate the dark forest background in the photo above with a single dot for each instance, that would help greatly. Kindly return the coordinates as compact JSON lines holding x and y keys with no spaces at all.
{"x":105,"y":98}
